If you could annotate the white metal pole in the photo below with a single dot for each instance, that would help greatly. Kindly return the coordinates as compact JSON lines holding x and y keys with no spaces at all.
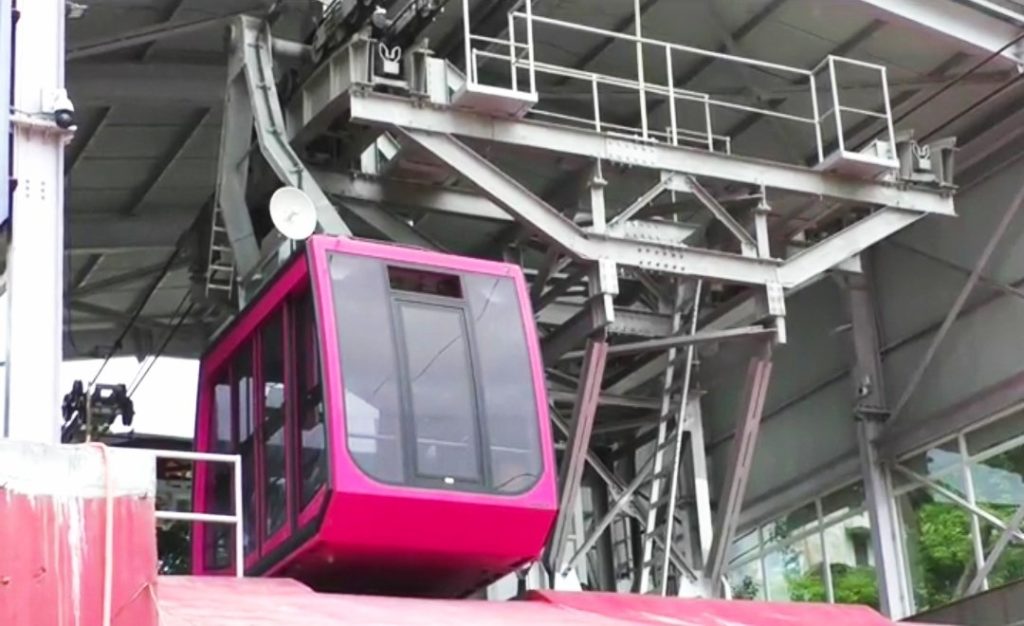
{"x":640,"y":66}
{"x":467,"y":41}
{"x":35,"y":277}
{"x":240,"y":517}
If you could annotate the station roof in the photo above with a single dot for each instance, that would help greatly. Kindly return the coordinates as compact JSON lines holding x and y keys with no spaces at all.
{"x":147,"y":77}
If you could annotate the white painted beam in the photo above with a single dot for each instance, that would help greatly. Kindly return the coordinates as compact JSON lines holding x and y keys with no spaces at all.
{"x":980,"y":32}
{"x":390,"y":110}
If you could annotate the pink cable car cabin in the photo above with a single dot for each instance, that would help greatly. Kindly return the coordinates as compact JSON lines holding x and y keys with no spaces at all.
{"x":389,"y":408}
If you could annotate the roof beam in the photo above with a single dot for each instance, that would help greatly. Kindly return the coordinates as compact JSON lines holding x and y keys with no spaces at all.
{"x":177,"y":146}
{"x":125,"y":234}
{"x":104,"y":84}
{"x":149,"y":34}
{"x":956,"y":21}
{"x":409,"y":195}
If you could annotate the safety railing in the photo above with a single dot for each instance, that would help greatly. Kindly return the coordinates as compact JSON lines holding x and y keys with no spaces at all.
{"x":667,"y":111}
{"x":831,"y":65}
{"x":211,"y":518}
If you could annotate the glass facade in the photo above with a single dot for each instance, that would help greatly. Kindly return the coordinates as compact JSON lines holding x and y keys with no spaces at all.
{"x":820,"y":552}
{"x":443,"y":394}
{"x":954,"y":501}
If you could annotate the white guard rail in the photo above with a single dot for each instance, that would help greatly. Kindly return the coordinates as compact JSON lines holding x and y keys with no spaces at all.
{"x":518,"y":53}
{"x":210,"y":518}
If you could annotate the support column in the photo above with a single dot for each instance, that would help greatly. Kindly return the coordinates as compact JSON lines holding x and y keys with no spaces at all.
{"x":581,"y":427}
{"x":35,"y":257}
{"x":744,"y":442}
{"x":871,"y":411}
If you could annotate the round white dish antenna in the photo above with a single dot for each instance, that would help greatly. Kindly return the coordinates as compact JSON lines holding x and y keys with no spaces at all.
{"x":293,"y":213}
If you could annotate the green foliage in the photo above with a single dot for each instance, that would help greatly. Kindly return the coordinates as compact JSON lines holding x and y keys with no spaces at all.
{"x":746,"y":590}
{"x":851,"y":585}
{"x":855,"y":585}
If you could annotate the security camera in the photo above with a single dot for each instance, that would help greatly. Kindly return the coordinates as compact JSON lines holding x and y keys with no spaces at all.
{"x":63,"y":109}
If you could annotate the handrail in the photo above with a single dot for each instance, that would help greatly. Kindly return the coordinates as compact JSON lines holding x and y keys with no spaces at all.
{"x":210,"y":518}
{"x":518,"y":52}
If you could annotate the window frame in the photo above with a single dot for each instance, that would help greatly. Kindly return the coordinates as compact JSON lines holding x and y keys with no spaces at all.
{"x":410,"y":439}
{"x":308,"y":337}
{"x":271,"y":539}
{"x":224,"y":376}
{"x":410,"y":475}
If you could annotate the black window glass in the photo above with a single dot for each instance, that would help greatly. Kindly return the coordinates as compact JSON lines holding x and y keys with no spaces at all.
{"x":369,"y":367}
{"x":312,"y":433}
{"x":441,"y":390}
{"x":219,"y":486}
{"x":246,"y":444}
{"x":275,"y":501}
{"x":509,"y":400}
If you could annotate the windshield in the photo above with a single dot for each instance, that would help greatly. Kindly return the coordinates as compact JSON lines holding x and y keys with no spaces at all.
{"x":438,"y":386}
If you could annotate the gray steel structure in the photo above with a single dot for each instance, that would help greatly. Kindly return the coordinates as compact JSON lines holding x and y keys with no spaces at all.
{"x":675,"y":198}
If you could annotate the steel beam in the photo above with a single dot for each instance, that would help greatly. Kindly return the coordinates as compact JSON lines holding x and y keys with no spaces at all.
{"x":640,"y":375}
{"x":409,"y":195}
{"x":131,"y":276}
{"x":144,"y":35}
{"x":35,"y":256}
{"x":572,"y":333}
{"x":627,"y":321}
{"x":997,"y":551}
{"x":167,"y":160}
{"x":852,"y":240}
{"x":106,"y":235}
{"x":961,"y":299}
{"x":955,"y":21}
{"x":582,"y":424}
{"x":233,"y":167}
{"x":741,"y":459}
{"x":555,"y":228}
{"x":382,"y":109}
{"x":252,"y":41}
{"x":870,"y":409}
{"x":606,"y":400}
{"x":388,"y":225}
{"x":681,"y":341}
{"x":956,"y":499}
{"x":598,"y":528}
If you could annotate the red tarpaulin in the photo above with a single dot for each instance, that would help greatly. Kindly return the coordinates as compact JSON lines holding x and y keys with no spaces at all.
{"x":208,"y":601}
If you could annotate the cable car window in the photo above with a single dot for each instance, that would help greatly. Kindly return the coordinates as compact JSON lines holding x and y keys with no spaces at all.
{"x":246,"y":443}
{"x":275,"y":501}
{"x":373,"y":414}
{"x":219,"y":485}
{"x":312,"y":432}
{"x":441,"y":391}
{"x":420,"y":281}
{"x":509,"y":400}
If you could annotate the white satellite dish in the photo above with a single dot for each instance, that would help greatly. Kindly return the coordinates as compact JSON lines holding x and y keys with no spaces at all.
{"x":293,"y":213}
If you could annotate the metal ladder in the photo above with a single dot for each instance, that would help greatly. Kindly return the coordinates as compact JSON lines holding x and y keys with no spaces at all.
{"x":655,"y":570}
{"x":220,"y":264}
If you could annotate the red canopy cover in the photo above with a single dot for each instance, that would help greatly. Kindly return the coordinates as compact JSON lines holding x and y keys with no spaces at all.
{"x":221,"y":601}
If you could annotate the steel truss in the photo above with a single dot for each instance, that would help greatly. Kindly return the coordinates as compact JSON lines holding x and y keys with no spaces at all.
{"x":604,"y":354}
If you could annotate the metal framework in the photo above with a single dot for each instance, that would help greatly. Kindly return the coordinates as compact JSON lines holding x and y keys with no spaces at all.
{"x":628,"y":295}
{"x":425,"y":115}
